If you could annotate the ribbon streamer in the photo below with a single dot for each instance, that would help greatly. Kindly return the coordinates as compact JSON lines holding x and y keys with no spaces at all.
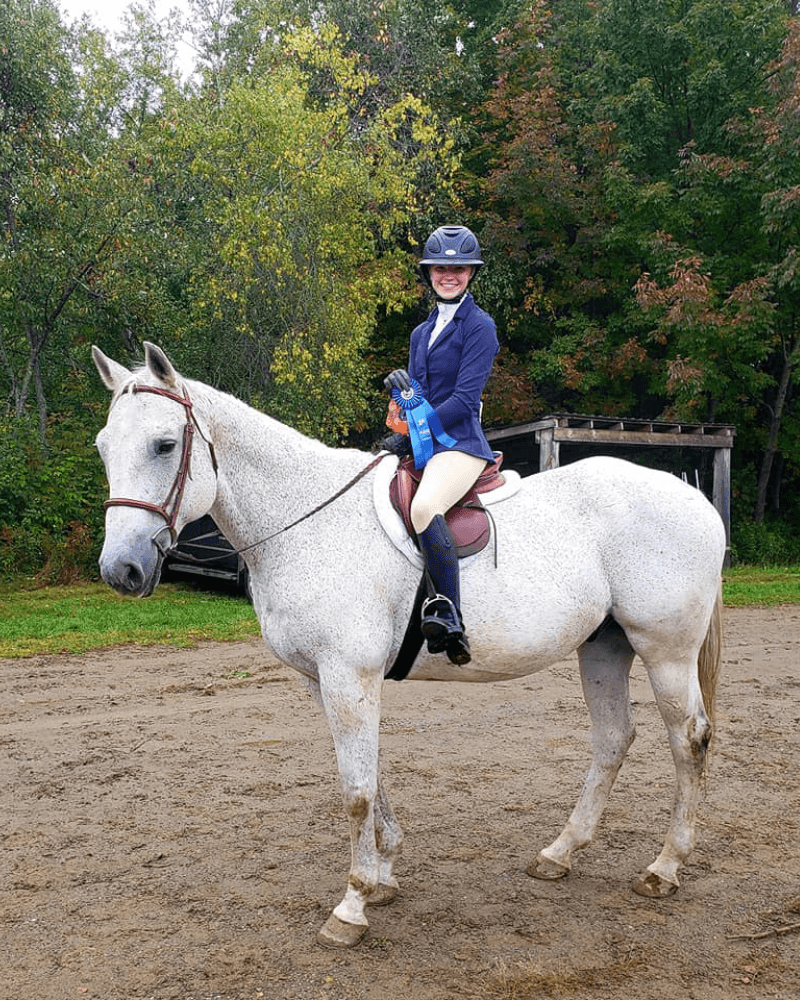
{"x":423,"y":423}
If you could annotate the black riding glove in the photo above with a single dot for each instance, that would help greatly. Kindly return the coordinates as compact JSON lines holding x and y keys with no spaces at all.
{"x":397,"y":444}
{"x":398,"y":379}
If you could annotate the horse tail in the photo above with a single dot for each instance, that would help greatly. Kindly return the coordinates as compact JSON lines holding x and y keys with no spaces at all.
{"x":709,"y":658}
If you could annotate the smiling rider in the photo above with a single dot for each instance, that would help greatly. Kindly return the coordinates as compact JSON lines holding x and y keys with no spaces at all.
{"x":450,"y":357}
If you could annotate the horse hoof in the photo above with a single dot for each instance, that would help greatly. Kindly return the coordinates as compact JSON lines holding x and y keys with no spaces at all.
{"x":383,"y":895}
{"x":335,"y":933}
{"x":546,"y":869}
{"x":653,"y":886}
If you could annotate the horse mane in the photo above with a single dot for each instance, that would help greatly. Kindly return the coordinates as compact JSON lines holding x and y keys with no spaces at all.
{"x":201,"y":392}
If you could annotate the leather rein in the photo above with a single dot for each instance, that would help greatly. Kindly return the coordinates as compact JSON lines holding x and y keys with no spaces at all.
{"x":175,"y":495}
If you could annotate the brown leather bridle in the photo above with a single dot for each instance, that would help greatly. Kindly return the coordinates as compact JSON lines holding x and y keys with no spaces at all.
{"x":175,"y":495}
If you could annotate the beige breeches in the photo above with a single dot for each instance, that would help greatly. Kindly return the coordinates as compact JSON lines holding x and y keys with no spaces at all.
{"x":446,"y":478}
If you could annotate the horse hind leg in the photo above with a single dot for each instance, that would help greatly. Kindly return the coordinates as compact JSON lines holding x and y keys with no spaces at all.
{"x":605,"y":667}
{"x":682,"y":697}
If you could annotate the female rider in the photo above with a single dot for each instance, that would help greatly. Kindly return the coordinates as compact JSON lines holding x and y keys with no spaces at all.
{"x":451,"y":355}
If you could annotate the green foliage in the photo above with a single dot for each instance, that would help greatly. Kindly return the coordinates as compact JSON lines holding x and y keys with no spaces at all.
{"x":407,"y":50}
{"x":631,"y":169}
{"x":36,"y":76}
{"x":253,"y":226}
{"x":297,"y":205}
{"x":586,"y":126}
{"x":51,"y":510}
{"x":641,"y":196}
{"x":670,"y":72}
{"x":764,"y":543}
{"x":74,"y":206}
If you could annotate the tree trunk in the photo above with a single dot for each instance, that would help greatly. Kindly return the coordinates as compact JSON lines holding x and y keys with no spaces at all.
{"x":774,"y":430}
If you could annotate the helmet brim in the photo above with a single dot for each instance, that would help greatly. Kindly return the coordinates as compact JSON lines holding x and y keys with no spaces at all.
{"x":451,"y":261}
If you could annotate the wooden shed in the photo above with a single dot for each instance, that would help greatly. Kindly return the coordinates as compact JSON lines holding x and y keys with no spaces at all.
{"x":538,"y":445}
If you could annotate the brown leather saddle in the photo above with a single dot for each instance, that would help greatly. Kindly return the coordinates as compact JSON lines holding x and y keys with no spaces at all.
{"x":468,"y":520}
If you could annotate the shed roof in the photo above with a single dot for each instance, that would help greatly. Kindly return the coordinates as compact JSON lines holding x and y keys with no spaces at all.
{"x":579,"y":428}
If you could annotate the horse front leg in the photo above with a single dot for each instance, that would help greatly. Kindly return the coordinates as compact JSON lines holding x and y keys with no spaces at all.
{"x":351,"y":701}
{"x":389,"y":842}
{"x":605,"y":669}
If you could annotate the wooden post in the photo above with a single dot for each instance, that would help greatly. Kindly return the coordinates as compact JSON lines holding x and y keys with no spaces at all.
{"x":721,"y":497}
{"x":548,"y":449}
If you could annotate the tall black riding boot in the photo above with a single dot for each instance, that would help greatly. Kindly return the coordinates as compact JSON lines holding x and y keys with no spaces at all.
{"x":441,"y":615}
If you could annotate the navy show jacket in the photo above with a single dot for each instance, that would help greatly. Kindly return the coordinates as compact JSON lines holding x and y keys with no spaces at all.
{"x":453,"y":372}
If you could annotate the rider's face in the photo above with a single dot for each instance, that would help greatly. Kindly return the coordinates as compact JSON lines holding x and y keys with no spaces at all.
{"x":450,"y":280}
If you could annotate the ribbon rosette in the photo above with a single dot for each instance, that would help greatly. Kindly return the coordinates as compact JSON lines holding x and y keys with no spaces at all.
{"x":423,"y":424}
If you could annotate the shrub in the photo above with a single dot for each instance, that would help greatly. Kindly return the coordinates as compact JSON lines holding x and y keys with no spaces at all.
{"x":766,"y":543}
{"x":51,"y":510}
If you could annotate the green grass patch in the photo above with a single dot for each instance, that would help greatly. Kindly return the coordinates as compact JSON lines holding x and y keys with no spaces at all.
{"x":76,"y":619}
{"x":749,"y":586}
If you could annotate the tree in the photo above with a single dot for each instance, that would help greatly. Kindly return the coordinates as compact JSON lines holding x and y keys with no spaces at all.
{"x":285,"y":225}
{"x":598,"y":113}
{"x":75,"y":213}
{"x":71,"y":192}
{"x":756,"y":343}
{"x":546,"y":212}
{"x":51,"y":168}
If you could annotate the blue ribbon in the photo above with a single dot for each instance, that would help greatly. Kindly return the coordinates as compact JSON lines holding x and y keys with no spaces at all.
{"x":423,"y":423}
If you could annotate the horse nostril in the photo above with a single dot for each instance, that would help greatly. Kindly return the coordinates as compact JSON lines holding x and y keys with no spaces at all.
{"x":133,"y":579}
{"x":125,"y":578}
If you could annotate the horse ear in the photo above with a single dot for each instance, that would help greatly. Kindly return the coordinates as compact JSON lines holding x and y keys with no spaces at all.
{"x":112,"y":373}
{"x":159,"y":364}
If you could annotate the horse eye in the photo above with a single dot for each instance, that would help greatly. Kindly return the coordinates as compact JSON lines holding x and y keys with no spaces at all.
{"x":165,"y":447}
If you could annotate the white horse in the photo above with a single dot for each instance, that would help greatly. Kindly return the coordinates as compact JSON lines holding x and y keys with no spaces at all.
{"x":601,"y":542}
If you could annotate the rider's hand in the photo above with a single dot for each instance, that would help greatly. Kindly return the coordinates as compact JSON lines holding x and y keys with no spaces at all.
{"x":398,"y":379}
{"x":397,"y":444}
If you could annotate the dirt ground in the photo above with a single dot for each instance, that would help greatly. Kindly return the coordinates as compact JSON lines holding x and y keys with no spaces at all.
{"x":172,"y":829}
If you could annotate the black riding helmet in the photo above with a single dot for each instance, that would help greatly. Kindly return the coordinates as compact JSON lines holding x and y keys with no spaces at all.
{"x":450,"y":245}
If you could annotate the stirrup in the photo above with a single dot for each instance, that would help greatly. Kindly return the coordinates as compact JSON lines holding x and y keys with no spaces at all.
{"x":440,"y":618}
{"x":442,"y":627}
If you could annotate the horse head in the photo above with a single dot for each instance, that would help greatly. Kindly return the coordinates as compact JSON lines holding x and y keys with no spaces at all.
{"x":159,"y":477}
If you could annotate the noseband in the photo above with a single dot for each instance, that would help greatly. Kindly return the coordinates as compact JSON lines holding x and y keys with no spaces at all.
{"x":175,"y":495}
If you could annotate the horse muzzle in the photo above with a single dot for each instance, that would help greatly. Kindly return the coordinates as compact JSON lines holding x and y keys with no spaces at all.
{"x":133,"y":571}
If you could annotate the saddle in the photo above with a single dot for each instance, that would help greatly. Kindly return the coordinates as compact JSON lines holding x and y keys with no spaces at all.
{"x":468,"y":520}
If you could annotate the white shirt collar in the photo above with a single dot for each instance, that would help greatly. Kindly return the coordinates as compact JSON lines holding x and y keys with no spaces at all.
{"x":447,"y":311}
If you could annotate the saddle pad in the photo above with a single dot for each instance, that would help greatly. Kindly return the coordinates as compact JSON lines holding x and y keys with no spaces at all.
{"x":392,"y":523}
{"x":467,"y":520}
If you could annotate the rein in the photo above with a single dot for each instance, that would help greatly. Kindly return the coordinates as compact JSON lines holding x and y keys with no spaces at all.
{"x":175,"y":495}
{"x":304,"y":517}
